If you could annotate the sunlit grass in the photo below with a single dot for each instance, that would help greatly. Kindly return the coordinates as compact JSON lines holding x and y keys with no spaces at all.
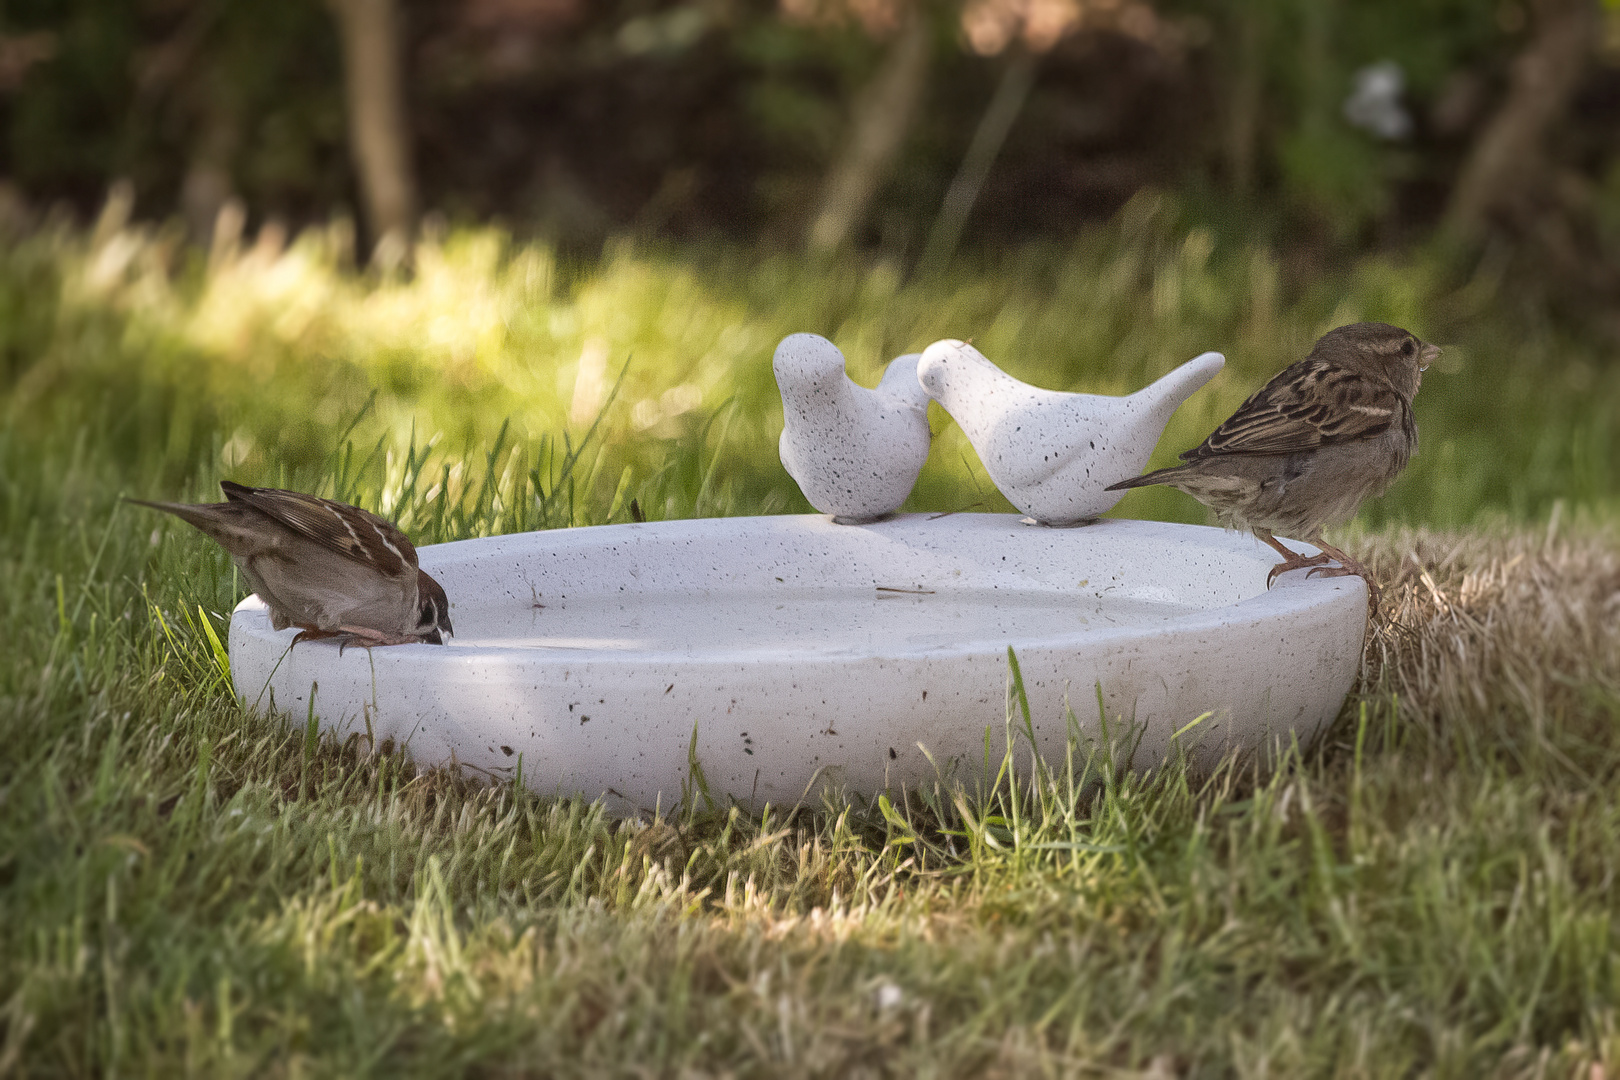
{"x":255,"y":359}
{"x":189,"y":886}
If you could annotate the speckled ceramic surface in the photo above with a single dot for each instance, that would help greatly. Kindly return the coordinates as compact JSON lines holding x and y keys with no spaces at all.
{"x":807,"y":653}
{"x":854,"y":452}
{"x":1052,"y":453}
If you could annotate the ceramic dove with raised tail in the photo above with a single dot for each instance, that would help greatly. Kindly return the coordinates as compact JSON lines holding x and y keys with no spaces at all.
{"x":1053,"y":454}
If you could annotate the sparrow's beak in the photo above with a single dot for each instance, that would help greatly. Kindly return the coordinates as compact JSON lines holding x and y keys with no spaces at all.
{"x":1428,"y":355}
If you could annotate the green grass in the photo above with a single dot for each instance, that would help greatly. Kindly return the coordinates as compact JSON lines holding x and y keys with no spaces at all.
{"x":190,"y":887}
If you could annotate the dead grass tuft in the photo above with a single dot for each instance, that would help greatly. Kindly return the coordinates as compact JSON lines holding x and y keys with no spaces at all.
{"x":1512,"y":633}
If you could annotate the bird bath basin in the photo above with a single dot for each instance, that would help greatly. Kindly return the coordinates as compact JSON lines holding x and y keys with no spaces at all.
{"x":807,"y":653}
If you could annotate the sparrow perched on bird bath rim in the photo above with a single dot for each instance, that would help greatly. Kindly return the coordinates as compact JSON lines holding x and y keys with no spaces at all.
{"x":1311,"y":445}
{"x":328,"y":568}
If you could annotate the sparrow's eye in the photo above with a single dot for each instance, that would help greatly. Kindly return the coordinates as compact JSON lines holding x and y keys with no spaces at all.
{"x":1408,"y":347}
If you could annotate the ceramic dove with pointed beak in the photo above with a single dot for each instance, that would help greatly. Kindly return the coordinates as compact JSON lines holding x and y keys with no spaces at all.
{"x":1053,"y":454}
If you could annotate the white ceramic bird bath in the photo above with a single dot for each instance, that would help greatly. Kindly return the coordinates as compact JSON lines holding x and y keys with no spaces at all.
{"x":807,"y":653}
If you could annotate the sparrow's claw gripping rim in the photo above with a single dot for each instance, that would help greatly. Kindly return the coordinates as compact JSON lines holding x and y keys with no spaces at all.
{"x":310,"y":633}
{"x":367,"y":638}
{"x":1298,"y":562}
{"x":1347,"y":567}
{"x":1374,"y":593}
{"x":364,"y":637}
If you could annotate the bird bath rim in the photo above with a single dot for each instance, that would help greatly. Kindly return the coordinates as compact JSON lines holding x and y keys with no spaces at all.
{"x":617,"y":720}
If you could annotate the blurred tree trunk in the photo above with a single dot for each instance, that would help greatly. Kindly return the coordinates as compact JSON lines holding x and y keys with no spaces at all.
{"x":1507,"y":156}
{"x":883,"y":113}
{"x":1247,"y":86}
{"x":207,"y":185}
{"x":379,"y":139}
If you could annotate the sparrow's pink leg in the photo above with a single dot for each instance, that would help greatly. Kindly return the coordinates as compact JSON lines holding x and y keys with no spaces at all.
{"x":311,"y":633}
{"x":367,"y":638}
{"x":363,"y":636}
{"x":1293,"y":559}
{"x":1347,"y":567}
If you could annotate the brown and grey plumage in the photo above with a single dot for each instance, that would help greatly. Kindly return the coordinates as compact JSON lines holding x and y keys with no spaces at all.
{"x":1311,"y":445}
{"x":328,"y":568}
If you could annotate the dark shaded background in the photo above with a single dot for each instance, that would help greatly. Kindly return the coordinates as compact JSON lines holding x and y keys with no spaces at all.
{"x":708,"y":119}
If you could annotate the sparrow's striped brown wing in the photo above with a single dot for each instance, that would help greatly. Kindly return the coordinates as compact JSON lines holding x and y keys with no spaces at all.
{"x":1311,"y":404}
{"x":347,"y":530}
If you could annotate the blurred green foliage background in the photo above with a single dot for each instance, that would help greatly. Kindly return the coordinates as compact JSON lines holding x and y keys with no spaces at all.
{"x":694,"y":119}
{"x":651,"y":369}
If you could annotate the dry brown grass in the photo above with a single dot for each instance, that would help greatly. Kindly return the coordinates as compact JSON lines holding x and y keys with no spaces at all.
{"x":1476,"y":625}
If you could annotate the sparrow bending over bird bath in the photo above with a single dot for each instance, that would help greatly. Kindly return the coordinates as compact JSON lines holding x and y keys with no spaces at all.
{"x":327,"y":568}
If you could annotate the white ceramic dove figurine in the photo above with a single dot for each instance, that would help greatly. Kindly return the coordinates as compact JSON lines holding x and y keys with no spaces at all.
{"x":1052,"y":453}
{"x":855,"y":452}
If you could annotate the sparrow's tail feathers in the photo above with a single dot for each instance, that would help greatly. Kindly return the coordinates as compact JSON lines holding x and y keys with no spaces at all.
{"x":192,"y":515}
{"x":1158,"y":476}
{"x":225,"y":523}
